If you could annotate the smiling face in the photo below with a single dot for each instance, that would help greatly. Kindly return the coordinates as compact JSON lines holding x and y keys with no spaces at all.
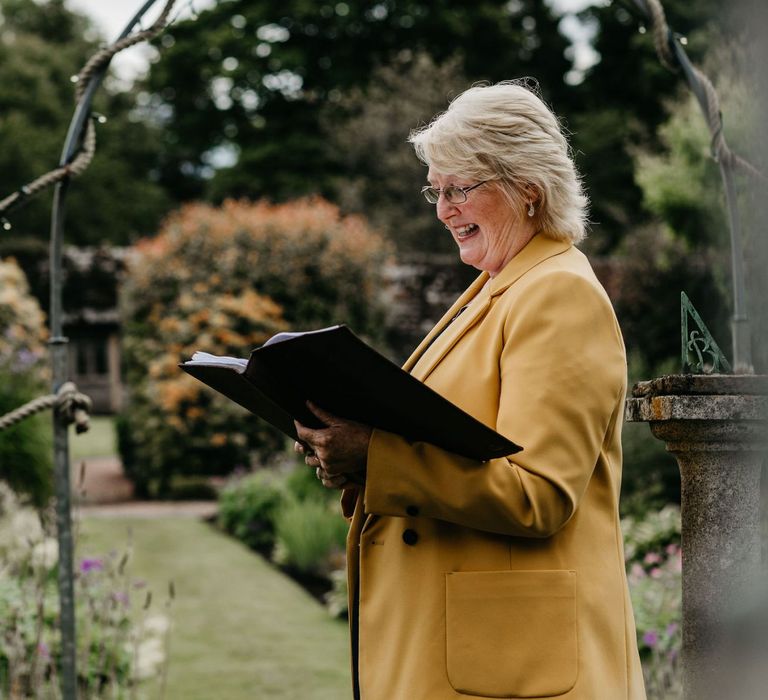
{"x":487,"y":230}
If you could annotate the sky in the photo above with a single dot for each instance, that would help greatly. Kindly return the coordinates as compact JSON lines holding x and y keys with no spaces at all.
{"x":111,"y":17}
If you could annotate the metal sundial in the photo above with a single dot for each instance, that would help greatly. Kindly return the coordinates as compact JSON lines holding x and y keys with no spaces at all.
{"x":700,"y":353}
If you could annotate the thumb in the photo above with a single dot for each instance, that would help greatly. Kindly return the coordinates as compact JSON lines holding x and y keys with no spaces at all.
{"x":323,"y":415}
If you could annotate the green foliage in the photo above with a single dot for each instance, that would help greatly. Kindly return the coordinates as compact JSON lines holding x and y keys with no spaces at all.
{"x":682,"y":186}
{"x":25,"y":448}
{"x":116,"y":645}
{"x":680,"y":181}
{"x":614,"y":114}
{"x":289,"y":516}
{"x":310,"y":536}
{"x":117,"y":199}
{"x":381,"y":175}
{"x":302,"y":484}
{"x":654,"y":564}
{"x":655,"y":267}
{"x":248,"y":506}
{"x":261,"y":101}
{"x":224,"y":280}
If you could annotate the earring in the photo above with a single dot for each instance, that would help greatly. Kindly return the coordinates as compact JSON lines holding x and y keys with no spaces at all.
{"x":531,"y":210}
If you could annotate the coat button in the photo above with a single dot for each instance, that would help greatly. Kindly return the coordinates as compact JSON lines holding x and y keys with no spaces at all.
{"x":413,"y":511}
{"x":410,"y":537}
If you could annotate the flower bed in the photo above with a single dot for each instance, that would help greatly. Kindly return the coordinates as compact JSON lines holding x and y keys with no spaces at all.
{"x":121,"y":638}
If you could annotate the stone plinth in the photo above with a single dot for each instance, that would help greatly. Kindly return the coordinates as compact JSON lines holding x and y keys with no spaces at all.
{"x":715,"y":425}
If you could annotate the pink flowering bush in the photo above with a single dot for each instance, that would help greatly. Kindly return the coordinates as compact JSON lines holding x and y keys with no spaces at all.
{"x":654,"y":566}
{"x":223,"y":280}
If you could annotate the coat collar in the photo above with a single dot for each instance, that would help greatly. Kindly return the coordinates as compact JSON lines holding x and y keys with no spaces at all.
{"x":539,"y":248}
{"x":447,"y":332}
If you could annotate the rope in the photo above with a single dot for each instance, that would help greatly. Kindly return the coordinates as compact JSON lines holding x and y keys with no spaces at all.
{"x":88,"y":148}
{"x":672,"y":55}
{"x":70,"y":405}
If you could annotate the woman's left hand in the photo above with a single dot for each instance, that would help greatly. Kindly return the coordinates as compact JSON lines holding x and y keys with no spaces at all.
{"x":336,"y":451}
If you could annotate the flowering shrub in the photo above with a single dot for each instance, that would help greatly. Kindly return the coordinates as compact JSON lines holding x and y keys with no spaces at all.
{"x":25,"y":455}
{"x":117,"y":645}
{"x":654,"y":565}
{"x":224,"y":279}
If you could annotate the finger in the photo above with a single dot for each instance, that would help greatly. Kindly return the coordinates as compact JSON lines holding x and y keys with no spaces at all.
{"x":334,"y":483}
{"x":298,"y":447}
{"x":311,"y":460}
{"x":304,"y":433}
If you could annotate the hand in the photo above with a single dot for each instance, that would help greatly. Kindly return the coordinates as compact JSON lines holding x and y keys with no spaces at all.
{"x":336,"y":451}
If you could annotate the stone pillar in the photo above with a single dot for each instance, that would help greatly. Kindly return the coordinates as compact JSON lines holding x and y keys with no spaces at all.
{"x":715,"y":425}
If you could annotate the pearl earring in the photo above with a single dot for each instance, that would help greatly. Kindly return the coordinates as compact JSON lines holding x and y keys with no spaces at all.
{"x":531,"y":210}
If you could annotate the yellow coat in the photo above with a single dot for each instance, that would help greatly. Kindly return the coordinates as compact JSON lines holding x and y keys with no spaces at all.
{"x":505,"y":578}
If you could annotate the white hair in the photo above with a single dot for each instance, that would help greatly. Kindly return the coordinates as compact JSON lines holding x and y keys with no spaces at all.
{"x":505,"y":133}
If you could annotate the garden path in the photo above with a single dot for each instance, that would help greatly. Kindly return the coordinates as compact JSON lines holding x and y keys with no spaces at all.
{"x":239,"y":628}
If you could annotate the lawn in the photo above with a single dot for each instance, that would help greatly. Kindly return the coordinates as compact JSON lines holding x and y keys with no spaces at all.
{"x":241,"y":630}
{"x":98,"y":441}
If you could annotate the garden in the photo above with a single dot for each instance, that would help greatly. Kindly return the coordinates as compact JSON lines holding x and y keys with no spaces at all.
{"x":240,"y":203}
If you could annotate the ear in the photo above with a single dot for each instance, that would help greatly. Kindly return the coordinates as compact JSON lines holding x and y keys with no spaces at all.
{"x":533,"y":194}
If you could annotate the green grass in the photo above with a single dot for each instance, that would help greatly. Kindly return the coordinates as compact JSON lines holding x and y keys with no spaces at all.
{"x":241,"y":630}
{"x":98,"y":441}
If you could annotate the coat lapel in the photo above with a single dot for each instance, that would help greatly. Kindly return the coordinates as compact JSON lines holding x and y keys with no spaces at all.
{"x":447,"y":333}
{"x":440,"y":326}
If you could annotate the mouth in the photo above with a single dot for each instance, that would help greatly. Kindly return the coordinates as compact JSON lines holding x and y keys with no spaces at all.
{"x":464,"y":232}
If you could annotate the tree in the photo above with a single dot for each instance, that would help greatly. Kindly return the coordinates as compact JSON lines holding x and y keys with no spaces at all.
{"x":247,"y":82}
{"x":381,"y":174}
{"x":621,"y":103}
{"x":117,"y":199}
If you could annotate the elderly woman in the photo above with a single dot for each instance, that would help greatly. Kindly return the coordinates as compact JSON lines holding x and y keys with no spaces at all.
{"x":504,"y":578}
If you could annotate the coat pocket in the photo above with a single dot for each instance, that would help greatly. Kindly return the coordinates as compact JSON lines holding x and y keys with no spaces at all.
{"x":511,"y":634}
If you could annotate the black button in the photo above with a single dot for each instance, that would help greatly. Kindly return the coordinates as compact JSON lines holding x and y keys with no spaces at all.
{"x":410,"y":537}
{"x":412,"y":511}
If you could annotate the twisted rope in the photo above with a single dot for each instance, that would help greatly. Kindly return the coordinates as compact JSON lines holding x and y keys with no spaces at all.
{"x":72,"y":169}
{"x":105,"y":54}
{"x":69,"y":403}
{"x":673,"y":56}
{"x":88,"y":148}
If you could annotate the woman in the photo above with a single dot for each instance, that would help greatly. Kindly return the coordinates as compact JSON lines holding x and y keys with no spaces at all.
{"x":502,"y":578}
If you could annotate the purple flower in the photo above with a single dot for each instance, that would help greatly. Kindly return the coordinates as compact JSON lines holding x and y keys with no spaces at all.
{"x":671,"y":628}
{"x":44,"y":651}
{"x":650,"y":638}
{"x":87,"y":565}
{"x":121,"y":598}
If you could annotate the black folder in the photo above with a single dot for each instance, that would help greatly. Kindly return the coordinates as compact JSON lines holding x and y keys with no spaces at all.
{"x":336,"y":370}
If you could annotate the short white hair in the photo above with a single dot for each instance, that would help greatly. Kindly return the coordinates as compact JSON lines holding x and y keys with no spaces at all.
{"x":505,"y":133}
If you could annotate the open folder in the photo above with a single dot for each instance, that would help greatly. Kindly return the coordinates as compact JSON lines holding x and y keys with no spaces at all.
{"x":336,"y":370}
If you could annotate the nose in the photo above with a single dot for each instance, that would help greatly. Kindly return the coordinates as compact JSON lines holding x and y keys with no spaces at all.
{"x":445,"y":210}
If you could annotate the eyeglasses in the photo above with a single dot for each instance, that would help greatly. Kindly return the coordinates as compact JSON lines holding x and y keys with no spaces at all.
{"x":453,"y":194}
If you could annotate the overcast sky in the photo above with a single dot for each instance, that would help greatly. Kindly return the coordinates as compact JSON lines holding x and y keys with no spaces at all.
{"x":111,"y":16}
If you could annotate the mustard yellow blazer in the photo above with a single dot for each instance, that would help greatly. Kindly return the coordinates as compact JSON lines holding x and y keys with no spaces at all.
{"x":505,"y":578}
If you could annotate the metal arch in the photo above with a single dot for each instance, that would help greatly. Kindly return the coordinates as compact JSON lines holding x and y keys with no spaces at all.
{"x":58,"y":345}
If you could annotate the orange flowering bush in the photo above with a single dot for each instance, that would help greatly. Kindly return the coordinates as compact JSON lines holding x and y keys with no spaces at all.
{"x":223,"y":280}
